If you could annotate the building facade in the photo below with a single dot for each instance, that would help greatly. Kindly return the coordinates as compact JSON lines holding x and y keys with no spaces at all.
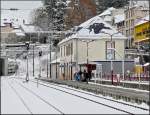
{"x":73,"y":54}
{"x":132,"y":13}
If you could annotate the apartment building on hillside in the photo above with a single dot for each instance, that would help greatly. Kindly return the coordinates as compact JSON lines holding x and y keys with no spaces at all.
{"x":135,"y":10}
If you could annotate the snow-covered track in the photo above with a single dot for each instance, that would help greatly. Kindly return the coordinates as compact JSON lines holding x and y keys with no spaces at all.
{"x":95,"y":95}
{"x":70,"y":91}
{"x":39,"y":97}
{"x":22,"y":100}
{"x":85,"y":98}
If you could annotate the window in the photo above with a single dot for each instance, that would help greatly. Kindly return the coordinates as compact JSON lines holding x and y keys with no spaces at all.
{"x":64,"y":50}
{"x":126,"y":14}
{"x":132,"y":22}
{"x":132,"y":31}
{"x":67,"y":50}
{"x":127,"y":33}
{"x":61,"y":51}
{"x":126,"y":24}
{"x":110,"y":53}
{"x":71,"y":48}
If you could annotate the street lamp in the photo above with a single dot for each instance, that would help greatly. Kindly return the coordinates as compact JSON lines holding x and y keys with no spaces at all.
{"x":87,"y":46}
{"x":122,"y":61}
{"x":112,"y":57}
{"x":27,"y":48}
{"x":40,"y":54}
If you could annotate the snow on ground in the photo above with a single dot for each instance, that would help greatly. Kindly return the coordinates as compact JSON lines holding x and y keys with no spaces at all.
{"x":67,"y":103}
{"x":10,"y":104}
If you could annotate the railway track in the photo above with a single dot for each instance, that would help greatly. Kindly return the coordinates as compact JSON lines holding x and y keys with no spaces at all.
{"x":33,"y":93}
{"x":22,"y":100}
{"x":48,"y":83}
{"x":58,"y":89}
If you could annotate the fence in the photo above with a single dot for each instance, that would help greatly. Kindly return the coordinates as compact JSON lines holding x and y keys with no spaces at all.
{"x":131,"y":77}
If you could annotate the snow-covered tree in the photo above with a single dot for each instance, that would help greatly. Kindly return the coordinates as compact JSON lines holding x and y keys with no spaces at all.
{"x":102,"y":5}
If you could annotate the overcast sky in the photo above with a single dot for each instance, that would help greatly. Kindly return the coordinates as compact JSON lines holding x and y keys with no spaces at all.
{"x":25,"y":6}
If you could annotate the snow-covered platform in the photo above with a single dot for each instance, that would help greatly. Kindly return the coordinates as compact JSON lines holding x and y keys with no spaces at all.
{"x":127,"y":94}
{"x":143,"y":85}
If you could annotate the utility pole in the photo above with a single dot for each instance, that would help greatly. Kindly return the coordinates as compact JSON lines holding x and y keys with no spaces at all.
{"x":111,"y":62}
{"x":33,"y":60}
{"x":50,"y":58}
{"x":87,"y":53}
{"x":50,"y":25}
{"x":40,"y":54}
{"x":56,"y":62}
{"x":112,"y":56}
{"x":47,"y":64}
{"x":87,"y":50}
{"x":27,"y":74}
{"x":71,"y":58}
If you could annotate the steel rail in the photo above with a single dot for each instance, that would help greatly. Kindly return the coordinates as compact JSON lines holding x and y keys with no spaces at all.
{"x":33,"y":93}
{"x":88,"y":98}
{"x":22,"y":100}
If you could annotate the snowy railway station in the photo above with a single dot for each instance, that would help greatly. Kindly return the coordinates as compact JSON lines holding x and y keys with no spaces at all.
{"x":40,"y":97}
{"x":74,"y":57}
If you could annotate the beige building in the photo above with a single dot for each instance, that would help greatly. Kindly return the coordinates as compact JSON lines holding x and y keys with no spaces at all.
{"x":135,"y":10}
{"x":88,"y":46}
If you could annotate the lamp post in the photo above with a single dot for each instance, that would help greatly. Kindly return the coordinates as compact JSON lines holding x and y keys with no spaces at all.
{"x":27,"y":74}
{"x":87,"y":51}
{"x":33,"y":60}
{"x":47,"y":64}
{"x":71,"y":58}
{"x":87,"y":54}
{"x":56,"y":62}
{"x":123,"y":59}
{"x":40,"y":54}
{"x":112,"y":57}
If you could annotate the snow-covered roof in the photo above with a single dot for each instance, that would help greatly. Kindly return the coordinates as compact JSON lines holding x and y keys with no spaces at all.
{"x":28,"y":28}
{"x":142,"y":20}
{"x":94,"y":28}
{"x":108,"y":18}
{"x":15,"y":25}
{"x":7,"y":21}
{"x":107,"y":12}
{"x":119,"y":18}
{"x":18,"y":32}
